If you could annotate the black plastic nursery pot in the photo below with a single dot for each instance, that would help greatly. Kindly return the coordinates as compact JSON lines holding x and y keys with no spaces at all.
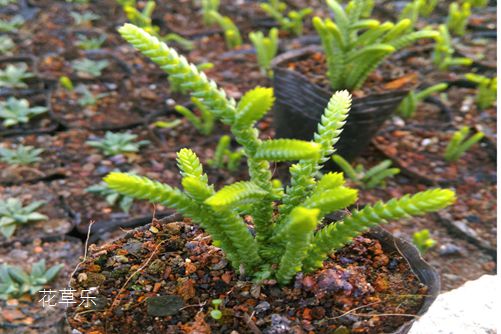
{"x":300,"y":104}
{"x":162,"y":277}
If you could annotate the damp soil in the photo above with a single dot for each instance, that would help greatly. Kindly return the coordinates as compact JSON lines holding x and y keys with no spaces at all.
{"x":176,"y":262}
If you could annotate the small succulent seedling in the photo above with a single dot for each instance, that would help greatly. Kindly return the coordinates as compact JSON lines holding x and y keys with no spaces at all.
{"x":216,"y":314}
{"x":90,"y":43}
{"x":224,"y":156}
{"x":118,"y":143}
{"x":203,"y":123}
{"x":207,"y":7}
{"x":66,"y":83}
{"x":266,"y":48}
{"x":16,"y":111}
{"x":369,"y":179}
{"x":459,"y":143}
{"x":411,"y":12}
{"x":287,"y":236}
{"x":84,"y":18}
{"x":111,"y":196}
{"x":487,"y":89}
{"x":12,"y":214}
{"x":167,"y":124}
{"x":423,"y":241}
{"x":143,"y":19}
{"x":443,"y":52}
{"x":15,"y":282}
{"x":230,"y":30}
{"x":355,"y":47}
{"x":87,"y":98}
{"x":427,"y":7}
{"x":12,"y":25}
{"x":21,"y":155}
{"x":90,"y":68}
{"x":13,"y":76}
{"x":478,"y":3}
{"x":6,"y":45}
{"x":291,"y":21}
{"x":4,"y":3}
{"x":408,"y":106}
{"x":458,"y":17}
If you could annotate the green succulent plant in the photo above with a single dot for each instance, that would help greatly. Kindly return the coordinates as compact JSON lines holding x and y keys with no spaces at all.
{"x":354,"y":47}
{"x":21,"y":155}
{"x":87,"y":98}
{"x":16,"y":111}
{"x":287,"y":237}
{"x":111,"y":196}
{"x":369,"y":179}
{"x":203,"y":123}
{"x":487,"y":89}
{"x":90,"y":43}
{"x":411,"y":12}
{"x":291,"y":21}
{"x":230,"y":30}
{"x":408,"y":106}
{"x":143,"y":19}
{"x":90,"y":68}
{"x":66,"y":83}
{"x":84,"y":18}
{"x":118,"y":143}
{"x":443,"y":54}
{"x":459,"y":143}
{"x":266,"y":48}
{"x":458,"y":18}
{"x":12,"y":25}
{"x":13,"y":76}
{"x":427,"y":7}
{"x":15,"y":282}
{"x":207,"y":7}
{"x":423,"y":240}
{"x":6,"y":45}
{"x":224,"y":156}
{"x":12,"y":214}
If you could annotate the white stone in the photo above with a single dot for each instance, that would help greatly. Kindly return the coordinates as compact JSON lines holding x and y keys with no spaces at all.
{"x":470,"y":309}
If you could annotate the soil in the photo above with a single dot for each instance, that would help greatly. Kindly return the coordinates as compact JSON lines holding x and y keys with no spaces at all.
{"x":420,"y":152}
{"x":177,"y":260}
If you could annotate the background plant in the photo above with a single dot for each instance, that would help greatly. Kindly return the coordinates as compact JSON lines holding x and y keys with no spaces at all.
{"x":487,"y":89}
{"x":90,"y":43}
{"x":203,"y":123}
{"x":87,"y":98}
{"x":13,"y":76}
{"x":89,"y":67}
{"x":231,"y":33}
{"x":423,"y":240}
{"x":111,"y":196}
{"x":15,"y":282}
{"x":443,"y":52}
{"x":16,"y":111}
{"x":21,"y":155}
{"x":266,"y":48}
{"x":355,"y":47}
{"x":291,"y":21}
{"x":207,"y":7}
{"x":118,"y":143}
{"x":6,"y":45}
{"x":460,"y":143}
{"x":85,"y":18}
{"x":285,"y":241}
{"x":457,"y":20}
{"x":408,"y":106}
{"x":369,"y":179}
{"x":12,"y":214}
{"x":224,"y":156}
{"x":11,"y":25}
